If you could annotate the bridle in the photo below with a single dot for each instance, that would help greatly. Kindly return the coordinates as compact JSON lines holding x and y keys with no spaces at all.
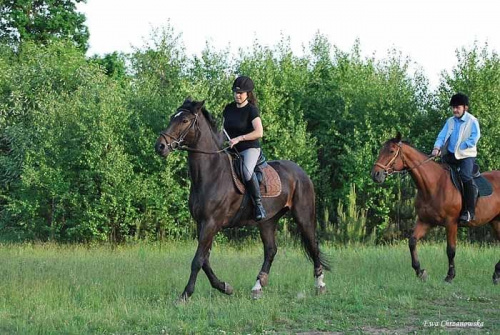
{"x":176,"y":143}
{"x":389,"y":167}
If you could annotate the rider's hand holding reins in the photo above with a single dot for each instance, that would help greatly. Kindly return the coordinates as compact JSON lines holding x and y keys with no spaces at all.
{"x":236,"y":140}
{"x":436,"y":152}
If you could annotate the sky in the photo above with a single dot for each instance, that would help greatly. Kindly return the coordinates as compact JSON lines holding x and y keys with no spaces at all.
{"x":429,"y":32}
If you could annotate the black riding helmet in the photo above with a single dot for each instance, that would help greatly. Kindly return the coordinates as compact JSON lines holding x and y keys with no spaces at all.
{"x":243,"y":84}
{"x":459,"y":99}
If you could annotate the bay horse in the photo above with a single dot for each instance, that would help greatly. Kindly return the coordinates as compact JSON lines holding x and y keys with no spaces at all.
{"x":214,"y":201}
{"x":438,"y":202}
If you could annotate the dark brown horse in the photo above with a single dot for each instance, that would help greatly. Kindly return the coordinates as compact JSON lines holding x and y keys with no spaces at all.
{"x":214,"y":201}
{"x":438,"y":202}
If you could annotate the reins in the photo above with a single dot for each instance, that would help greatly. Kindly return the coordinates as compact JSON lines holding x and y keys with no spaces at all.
{"x":186,"y":148}
{"x":176,"y":143}
{"x":388,"y":168}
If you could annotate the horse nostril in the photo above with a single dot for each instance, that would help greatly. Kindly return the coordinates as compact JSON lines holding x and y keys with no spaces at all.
{"x":159,"y":147}
{"x":377,"y":176}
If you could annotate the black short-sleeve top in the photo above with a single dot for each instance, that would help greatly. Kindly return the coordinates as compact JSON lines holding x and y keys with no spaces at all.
{"x":238,"y":121}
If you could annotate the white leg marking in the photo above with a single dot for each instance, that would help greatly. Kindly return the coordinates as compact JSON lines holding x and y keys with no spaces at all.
{"x":319,"y":283}
{"x":257,"y":286}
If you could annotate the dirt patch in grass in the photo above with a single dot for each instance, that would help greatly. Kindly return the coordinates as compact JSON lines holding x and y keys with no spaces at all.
{"x":368,"y":330}
{"x":319,"y":333}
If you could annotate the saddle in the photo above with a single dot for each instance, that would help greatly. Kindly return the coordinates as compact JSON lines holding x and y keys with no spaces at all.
{"x":269,"y":180}
{"x":483,"y":186}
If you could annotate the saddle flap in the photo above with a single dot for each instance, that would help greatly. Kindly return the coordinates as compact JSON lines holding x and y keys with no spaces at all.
{"x":483,"y":185}
{"x":269,"y":180}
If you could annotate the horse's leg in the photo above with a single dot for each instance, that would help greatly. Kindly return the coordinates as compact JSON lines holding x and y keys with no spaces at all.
{"x":267,"y":231}
{"x":214,"y":281}
{"x":420,"y":230}
{"x":304,"y":213}
{"x":496,"y":275}
{"x":451,"y":244}
{"x":205,"y":238}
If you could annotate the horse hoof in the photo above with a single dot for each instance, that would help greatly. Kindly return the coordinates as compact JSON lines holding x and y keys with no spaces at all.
{"x":181,"y":300}
{"x":448,"y":279}
{"x":423,"y":275}
{"x":228,"y":289}
{"x":320,"y":290}
{"x":257,"y":294}
{"x":496,"y":279}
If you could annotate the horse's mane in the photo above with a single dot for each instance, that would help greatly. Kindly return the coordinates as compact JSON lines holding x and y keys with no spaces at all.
{"x":216,"y":135}
{"x":191,"y":105}
{"x":395,"y":140}
{"x":210,"y":119}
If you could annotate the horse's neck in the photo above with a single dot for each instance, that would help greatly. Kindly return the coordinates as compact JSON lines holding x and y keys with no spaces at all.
{"x":206,"y":168}
{"x":425,"y":174}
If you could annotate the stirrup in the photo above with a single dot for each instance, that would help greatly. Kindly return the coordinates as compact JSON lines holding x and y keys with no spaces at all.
{"x":466,"y":217}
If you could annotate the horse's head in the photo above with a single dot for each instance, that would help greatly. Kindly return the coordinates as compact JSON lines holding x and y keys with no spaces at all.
{"x":390,"y":159}
{"x":181,"y":129}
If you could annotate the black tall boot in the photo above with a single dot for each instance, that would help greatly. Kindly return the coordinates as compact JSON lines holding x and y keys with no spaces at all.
{"x":468,"y":213}
{"x":254,"y":190}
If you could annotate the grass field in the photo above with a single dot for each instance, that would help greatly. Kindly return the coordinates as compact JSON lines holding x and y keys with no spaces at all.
{"x":132,"y":289}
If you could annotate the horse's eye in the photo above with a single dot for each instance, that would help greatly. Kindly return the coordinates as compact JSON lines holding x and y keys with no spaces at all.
{"x":392,"y":151}
{"x":185,"y":120}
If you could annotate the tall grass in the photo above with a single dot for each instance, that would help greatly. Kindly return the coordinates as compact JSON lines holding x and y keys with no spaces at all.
{"x":132,"y":289}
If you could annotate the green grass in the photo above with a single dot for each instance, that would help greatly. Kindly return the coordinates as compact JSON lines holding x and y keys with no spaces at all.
{"x":50,"y":289}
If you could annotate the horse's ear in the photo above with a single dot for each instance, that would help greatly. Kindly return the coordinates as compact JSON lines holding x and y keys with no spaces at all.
{"x":199,"y":104}
{"x":188,"y":100}
{"x":398,"y":137}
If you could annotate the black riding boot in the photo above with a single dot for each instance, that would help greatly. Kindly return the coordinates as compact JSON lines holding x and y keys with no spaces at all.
{"x":468,"y":212}
{"x":254,"y":190}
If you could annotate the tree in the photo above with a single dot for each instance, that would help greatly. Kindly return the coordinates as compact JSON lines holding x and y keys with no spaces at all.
{"x":477,"y":74}
{"x":113,"y":63}
{"x":42,"y":21}
{"x":352,"y":105}
{"x":64,"y":170}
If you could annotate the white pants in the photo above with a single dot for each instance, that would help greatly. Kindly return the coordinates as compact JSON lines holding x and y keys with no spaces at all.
{"x":250,"y":158}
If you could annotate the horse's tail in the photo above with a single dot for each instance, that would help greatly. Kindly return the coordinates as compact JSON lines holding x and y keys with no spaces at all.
{"x":303,"y":209}
{"x":309,"y":251}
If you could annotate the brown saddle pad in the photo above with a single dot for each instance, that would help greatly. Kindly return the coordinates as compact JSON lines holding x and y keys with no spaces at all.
{"x":270,"y":185}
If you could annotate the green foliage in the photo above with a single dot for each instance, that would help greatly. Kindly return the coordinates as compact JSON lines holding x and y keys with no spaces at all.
{"x":73,"y":172}
{"x":477,"y":75}
{"x":157,"y":89}
{"x":76,"y":135}
{"x":113,"y":64}
{"x":42,"y":21}
{"x":353,"y":106}
{"x":351,"y":222}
